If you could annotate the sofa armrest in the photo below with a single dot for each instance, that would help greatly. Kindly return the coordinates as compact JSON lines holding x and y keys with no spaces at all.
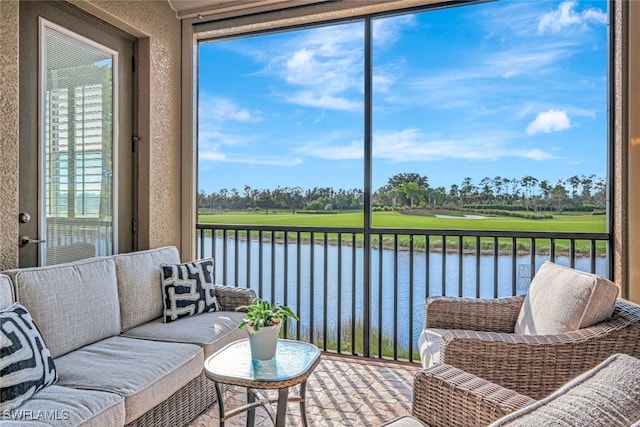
{"x":230,"y":297}
{"x":447,"y":396}
{"x":537,"y":365}
{"x":479,"y":314}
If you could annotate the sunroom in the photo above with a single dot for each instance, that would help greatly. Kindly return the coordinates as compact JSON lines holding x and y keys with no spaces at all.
{"x":359,"y":287}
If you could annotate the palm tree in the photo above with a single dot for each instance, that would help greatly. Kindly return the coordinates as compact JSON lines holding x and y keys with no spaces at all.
{"x":529,"y":183}
{"x":485,"y":190}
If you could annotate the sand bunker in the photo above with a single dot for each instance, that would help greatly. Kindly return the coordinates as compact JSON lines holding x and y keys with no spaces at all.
{"x":461,"y":217}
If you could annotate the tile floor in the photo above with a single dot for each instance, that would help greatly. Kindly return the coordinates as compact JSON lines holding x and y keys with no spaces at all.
{"x":340,"y":392}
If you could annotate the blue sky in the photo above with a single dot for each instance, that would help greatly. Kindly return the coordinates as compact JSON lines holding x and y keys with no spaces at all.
{"x":507,"y":88}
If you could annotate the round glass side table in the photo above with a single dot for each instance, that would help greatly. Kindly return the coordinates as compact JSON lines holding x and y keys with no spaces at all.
{"x":293,"y":363}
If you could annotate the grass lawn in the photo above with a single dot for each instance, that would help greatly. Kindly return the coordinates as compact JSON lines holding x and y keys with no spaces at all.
{"x":569,"y":222}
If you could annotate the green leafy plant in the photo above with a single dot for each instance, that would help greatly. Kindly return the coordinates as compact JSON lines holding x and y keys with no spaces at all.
{"x":262,"y":314}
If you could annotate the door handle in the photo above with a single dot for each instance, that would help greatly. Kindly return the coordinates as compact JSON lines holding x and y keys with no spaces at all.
{"x":25,"y":240}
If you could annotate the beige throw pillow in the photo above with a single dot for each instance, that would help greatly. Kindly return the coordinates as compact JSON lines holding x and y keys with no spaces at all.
{"x":561,"y":299}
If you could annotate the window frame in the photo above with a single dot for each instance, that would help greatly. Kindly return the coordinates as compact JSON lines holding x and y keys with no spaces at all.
{"x":195,"y":30}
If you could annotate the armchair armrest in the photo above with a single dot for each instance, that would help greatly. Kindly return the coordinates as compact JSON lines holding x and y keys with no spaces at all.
{"x":446,"y":396}
{"x":230,"y":297}
{"x":537,"y":365}
{"x":484,"y":314}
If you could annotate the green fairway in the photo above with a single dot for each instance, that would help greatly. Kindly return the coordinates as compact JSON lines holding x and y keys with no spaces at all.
{"x":559,"y":223}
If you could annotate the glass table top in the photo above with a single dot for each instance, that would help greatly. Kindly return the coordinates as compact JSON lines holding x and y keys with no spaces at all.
{"x":293,"y":359}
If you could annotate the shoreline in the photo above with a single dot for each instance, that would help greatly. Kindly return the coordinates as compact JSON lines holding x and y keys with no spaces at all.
{"x":560,"y":251}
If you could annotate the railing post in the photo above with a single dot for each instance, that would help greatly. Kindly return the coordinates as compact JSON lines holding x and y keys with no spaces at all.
{"x":368,"y":112}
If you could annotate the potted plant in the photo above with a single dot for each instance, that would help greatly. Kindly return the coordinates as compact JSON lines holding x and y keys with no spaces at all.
{"x":263,"y":321}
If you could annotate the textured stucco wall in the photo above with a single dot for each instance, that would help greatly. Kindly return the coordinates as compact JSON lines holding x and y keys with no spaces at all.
{"x":632,"y":143}
{"x":619,"y":182}
{"x":158,"y":29}
{"x":9,"y":134}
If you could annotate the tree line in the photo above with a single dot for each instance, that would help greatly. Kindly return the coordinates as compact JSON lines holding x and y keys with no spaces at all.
{"x":412,"y":190}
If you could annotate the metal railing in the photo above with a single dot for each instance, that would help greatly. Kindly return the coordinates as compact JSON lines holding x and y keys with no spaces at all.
{"x":320,"y":274}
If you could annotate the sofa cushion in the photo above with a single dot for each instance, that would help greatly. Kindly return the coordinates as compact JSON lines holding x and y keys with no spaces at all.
{"x":6,"y":292}
{"x":607,"y":396}
{"x":139,"y":284}
{"x":25,"y":363}
{"x":211,"y":331}
{"x":67,"y":407}
{"x":79,"y":297}
{"x":144,"y":372}
{"x":561,"y":299}
{"x":429,"y":345}
{"x":188,"y":289}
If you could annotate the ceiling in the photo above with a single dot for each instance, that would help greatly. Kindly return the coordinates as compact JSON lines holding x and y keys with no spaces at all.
{"x":230,"y":8}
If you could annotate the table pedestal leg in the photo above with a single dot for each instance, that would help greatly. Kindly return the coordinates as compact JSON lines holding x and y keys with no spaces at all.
{"x":220,"y":404}
{"x":283,"y":398}
{"x":303,"y":412}
{"x":251,"y":413}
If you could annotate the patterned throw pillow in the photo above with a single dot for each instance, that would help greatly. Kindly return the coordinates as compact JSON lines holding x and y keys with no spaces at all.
{"x":188,"y":289}
{"x":25,"y":363}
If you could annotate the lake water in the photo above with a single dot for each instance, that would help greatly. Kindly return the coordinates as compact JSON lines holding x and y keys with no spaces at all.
{"x":391,"y":271}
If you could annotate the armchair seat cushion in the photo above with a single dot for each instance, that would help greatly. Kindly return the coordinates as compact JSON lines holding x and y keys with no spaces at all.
{"x":563,"y":299}
{"x":429,"y":345}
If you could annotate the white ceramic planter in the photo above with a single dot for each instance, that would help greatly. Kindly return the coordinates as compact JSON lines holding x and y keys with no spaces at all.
{"x":263,"y":342}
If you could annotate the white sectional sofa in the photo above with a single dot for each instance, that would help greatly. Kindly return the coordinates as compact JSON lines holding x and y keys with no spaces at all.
{"x":117,"y":362}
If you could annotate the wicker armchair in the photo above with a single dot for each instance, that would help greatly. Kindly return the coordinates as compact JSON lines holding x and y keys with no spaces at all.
{"x":447,"y":396}
{"x":605,"y":395}
{"x":479,"y":340}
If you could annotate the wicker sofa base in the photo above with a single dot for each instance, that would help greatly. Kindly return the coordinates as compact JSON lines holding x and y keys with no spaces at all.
{"x":183,"y":406}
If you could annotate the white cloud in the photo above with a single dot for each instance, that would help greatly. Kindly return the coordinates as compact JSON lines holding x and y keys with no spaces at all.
{"x":322,"y":67}
{"x":313,"y":99}
{"x":412,"y":145}
{"x":387,"y":31}
{"x":210,"y":135}
{"x":482,"y":81}
{"x":516,"y":18}
{"x":525,"y":59}
{"x":549,"y":121}
{"x":383,"y":79}
{"x":537,"y":154}
{"x":567,"y":16}
{"x":213,"y":146}
{"x":222,"y":109}
{"x":352,"y":151}
{"x":249,"y":159}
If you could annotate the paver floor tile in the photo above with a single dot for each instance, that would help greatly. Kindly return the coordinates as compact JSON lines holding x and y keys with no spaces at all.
{"x":340,"y":392}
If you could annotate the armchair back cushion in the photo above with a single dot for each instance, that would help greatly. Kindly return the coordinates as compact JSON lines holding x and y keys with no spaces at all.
{"x":606,"y":396}
{"x":561,"y":299}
